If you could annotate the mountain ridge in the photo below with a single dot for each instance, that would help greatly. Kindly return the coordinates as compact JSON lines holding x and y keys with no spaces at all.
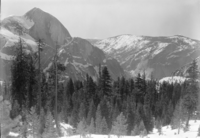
{"x":160,"y":55}
{"x":77,"y":54}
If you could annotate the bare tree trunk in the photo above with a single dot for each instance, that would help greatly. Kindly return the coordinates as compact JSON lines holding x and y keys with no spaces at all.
{"x":39,"y":82}
{"x":56,"y":96}
{"x":188,"y":119}
{"x":180,"y":116}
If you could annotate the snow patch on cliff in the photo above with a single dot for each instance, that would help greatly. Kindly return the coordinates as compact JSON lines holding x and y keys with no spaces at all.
{"x":173,"y":79}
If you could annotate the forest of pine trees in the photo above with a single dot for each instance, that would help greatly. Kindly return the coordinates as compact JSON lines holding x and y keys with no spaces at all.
{"x":122,"y":107}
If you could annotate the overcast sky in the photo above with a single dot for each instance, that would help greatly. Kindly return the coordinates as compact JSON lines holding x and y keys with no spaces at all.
{"x":106,"y":18}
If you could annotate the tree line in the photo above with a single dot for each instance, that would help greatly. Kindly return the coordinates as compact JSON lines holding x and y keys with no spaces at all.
{"x":105,"y":106}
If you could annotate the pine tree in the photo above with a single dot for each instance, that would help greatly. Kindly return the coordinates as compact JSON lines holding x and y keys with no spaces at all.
{"x":6,"y":122}
{"x":115,"y":112}
{"x":135,"y":131}
{"x":68,"y":105}
{"x":34,"y":122}
{"x":105,"y":83}
{"x":119,"y":126}
{"x":178,"y":116}
{"x":91,"y":127}
{"x":82,"y":128}
{"x":147,"y":113}
{"x":140,"y":89}
{"x":105,"y":111}
{"x":21,"y":69}
{"x":49,"y":130}
{"x":82,"y":111}
{"x":42,"y":122}
{"x":15,"y":109}
{"x":104,"y":126}
{"x":74,"y":118}
{"x":141,"y":127}
{"x":40,"y":44}
{"x":137,"y":116}
{"x":89,"y":89}
{"x":130,"y":115}
{"x":98,"y":120}
{"x":70,"y":88}
{"x":191,"y":97}
{"x":138,"y":129}
{"x":158,"y":124}
{"x":91,"y":112}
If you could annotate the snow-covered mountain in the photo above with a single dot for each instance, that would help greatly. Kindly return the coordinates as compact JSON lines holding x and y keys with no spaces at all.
{"x":77,"y":54}
{"x":160,"y":56}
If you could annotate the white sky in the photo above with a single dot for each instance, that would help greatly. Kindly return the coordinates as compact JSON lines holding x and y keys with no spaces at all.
{"x":106,"y":18}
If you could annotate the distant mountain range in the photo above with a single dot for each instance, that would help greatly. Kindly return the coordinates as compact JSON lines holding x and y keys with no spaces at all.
{"x":77,"y":54}
{"x":124,"y":55}
{"x":160,"y":56}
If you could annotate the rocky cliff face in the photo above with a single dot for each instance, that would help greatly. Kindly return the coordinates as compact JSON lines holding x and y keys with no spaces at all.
{"x":78,"y":55}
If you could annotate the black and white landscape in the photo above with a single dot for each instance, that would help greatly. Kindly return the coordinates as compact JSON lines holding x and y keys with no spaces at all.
{"x":54,"y":84}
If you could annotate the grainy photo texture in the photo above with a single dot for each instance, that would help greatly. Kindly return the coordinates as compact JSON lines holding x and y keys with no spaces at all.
{"x":99,"y":68}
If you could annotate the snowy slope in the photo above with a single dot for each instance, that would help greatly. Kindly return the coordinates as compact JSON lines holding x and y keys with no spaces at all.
{"x":158,"y":55}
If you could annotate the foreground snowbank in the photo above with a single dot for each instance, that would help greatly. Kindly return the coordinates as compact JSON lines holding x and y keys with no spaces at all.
{"x":167,"y":132}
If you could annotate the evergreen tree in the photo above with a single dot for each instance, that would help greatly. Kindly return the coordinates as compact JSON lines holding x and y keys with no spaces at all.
{"x":34,"y":122}
{"x":119,"y":126}
{"x":140,"y":89}
{"x":138,"y":129}
{"x":89,"y":89}
{"x":82,"y":111}
{"x":82,"y":128}
{"x":178,"y":116}
{"x":105,"y":83}
{"x":91,"y":127}
{"x":147,"y":114}
{"x":32,"y":94}
{"x":49,"y":130}
{"x":130,"y":115}
{"x":70,"y":88}
{"x":22,"y":78}
{"x":42,"y":120}
{"x":191,"y":97}
{"x":105,"y":111}
{"x":91,"y":112}
{"x":104,"y":126}
{"x":169,"y":113}
{"x":98,"y":120}
{"x":74,"y":118}
{"x":68,"y":104}
{"x":115,"y":112}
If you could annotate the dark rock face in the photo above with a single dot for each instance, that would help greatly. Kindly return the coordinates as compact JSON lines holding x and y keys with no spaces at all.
{"x":78,"y":55}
